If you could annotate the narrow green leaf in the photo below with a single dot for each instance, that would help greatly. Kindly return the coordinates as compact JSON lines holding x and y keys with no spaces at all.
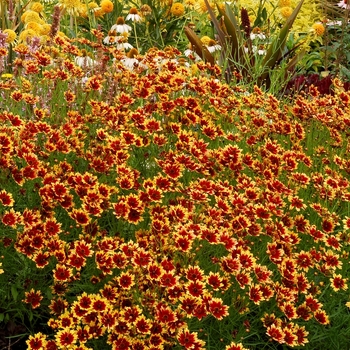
{"x":2,"y":317}
{"x":198,"y":47}
{"x":274,"y":51}
{"x":14,"y":292}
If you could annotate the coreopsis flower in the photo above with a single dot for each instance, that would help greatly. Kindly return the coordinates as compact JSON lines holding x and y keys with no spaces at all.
{"x":235,"y":346}
{"x":36,"y":342}
{"x":177,"y":9}
{"x":34,"y":298}
{"x":217,"y":308}
{"x":120,"y":26}
{"x":106,"y":6}
{"x":6,"y":199}
{"x":66,"y":338}
{"x":133,"y":15}
{"x":276,"y":333}
{"x":321,"y":317}
{"x":339,"y":283}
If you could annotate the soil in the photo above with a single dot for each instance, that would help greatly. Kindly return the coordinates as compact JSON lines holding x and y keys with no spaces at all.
{"x":13,"y":336}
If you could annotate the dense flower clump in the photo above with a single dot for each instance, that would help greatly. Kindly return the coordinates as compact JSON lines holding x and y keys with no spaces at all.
{"x":155,"y":202}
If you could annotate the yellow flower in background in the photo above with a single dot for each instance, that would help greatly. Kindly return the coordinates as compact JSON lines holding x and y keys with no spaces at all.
{"x":1,"y":270}
{"x":37,"y":7}
{"x":27,"y":34}
{"x":205,"y":40}
{"x":284,"y":3}
{"x":34,"y":26}
{"x":73,"y":7}
{"x":31,"y":16}
{"x":177,"y":9}
{"x":318,"y":28}
{"x":11,"y":35}
{"x":106,"y":6}
{"x":286,"y":11}
{"x":45,"y":29}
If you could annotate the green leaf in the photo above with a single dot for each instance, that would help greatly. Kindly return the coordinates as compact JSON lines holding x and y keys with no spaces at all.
{"x":197,"y":45}
{"x":2,"y":317}
{"x":274,"y":51}
{"x":14,"y":292}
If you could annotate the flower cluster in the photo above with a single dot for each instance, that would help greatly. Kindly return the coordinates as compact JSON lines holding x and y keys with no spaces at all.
{"x":155,"y":202}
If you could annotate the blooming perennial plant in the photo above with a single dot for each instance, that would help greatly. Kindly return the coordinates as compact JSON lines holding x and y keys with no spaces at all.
{"x":149,"y":205}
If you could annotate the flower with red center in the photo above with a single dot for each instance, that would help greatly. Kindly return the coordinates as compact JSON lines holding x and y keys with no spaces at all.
{"x":194,"y":273}
{"x":187,"y":339}
{"x":328,"y":225}
{"x":36,"y":342}
{"x":131,"y":314}
{"x":321,"y":317}
{"x":301,"y":334}
{"x":332,"y":260}
{"x":62,"y":273}
{"x":289,"y":310}
{"x":304,"y":312}
{"x":34,"y":298}
{"x":85,"y":301}
{"x":217,"y":308}
{"x":173,"y":170}
{"x":156,"y":340}
{"x":255,"y":294}
{"x":162,"y":183}
{"x":183,"y":243}
{"x":346,"y":223}
{"x":126,"y":280}
{"x":154,"y":271}
{"x":41,"y":259}
{"x":276,"y":333}
{"x":304,"y":260}
{"x":52,"y":227}
{"x":6,"y":199}
{"x":262,"y":273}
{"x":110,"y":293}
{"x":312,"y":303}
{"x":195,"y":288}
{"x":143,"y":325}
{"x":65,"y":338}
{"x":214,"y":280}
{"x":83,"y":249}
{"x":80,"y":217}
{"x":141,"y":258}
{"x":58,"y":306}
{"x":166,"y":315}
{"x":108,"y":318}
{"x":168,"y":280}
{"x":235,"y":346}
{"x":339,"y":283}
{"x":333,"y":242}
{"x":290,"y":338}
{"x":243,"y":279}
{"x":134,"y":216}
{"x":11,"y":218}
